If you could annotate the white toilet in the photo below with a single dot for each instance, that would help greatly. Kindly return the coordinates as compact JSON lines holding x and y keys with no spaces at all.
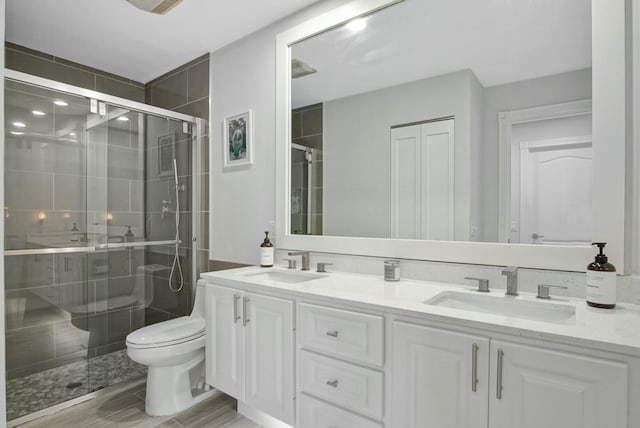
{"x":174,"y":353}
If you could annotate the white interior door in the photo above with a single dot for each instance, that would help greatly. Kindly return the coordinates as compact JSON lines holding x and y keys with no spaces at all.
{"x":555,"y":195}
{"x":422,"y":181}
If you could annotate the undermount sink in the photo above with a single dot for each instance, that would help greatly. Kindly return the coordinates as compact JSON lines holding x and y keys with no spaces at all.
{"x":506,"y":306}
{"x":283,"y":276}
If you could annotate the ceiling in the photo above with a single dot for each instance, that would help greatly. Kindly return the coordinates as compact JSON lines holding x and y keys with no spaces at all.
{"x":501,"y":41}
{"x":115,"y":36}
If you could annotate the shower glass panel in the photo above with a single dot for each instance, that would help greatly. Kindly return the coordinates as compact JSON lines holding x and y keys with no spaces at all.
{"x":90,"y":234}
{"x":306,"y":190}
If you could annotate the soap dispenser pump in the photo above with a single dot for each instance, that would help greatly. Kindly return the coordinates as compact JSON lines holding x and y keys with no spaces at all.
{"x":266,"y":252}
{"x":601,"y":281}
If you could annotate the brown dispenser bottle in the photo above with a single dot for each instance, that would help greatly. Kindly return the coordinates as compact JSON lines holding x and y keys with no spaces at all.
{"x":601,"y":281}
{"x":266,"y":252}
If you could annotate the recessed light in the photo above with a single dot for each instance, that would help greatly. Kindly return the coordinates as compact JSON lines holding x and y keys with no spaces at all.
{"x":38,"y":113}
{"x":123,"y":119}
{"x":19,"y":125}
{"x":61,"y":103}
{"x":17,"y":133}
{"x":357,"y":25}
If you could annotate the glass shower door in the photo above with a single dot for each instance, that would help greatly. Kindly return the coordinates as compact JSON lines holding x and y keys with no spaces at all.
{"x":48,"y":289}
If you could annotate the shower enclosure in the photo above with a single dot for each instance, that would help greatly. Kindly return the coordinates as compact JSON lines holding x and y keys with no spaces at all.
{"x":91,"y":234}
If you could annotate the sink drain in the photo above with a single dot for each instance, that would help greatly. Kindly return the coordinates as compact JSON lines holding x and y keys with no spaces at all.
{"x":73,"y":385}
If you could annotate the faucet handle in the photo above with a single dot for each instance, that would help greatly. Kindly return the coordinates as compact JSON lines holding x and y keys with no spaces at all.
{"x":483,"y":283}
{"x":543,"y":290}
{"x":322,"y":265}
{"x":292,"y":263}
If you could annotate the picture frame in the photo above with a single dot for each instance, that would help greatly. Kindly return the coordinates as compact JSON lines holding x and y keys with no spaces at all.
{"x":237,"y":140}
{"x":166,"y":154}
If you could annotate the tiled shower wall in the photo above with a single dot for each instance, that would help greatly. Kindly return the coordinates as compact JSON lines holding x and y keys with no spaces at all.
{"x":186,"y":90}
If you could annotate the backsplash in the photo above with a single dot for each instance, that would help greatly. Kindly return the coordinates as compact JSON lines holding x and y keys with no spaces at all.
{"x":454,"y":273}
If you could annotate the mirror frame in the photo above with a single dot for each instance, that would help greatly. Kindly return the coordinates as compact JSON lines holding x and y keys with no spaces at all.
{"x":609,"y":71}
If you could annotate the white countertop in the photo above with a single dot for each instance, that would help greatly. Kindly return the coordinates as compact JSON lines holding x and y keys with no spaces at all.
{"x":615,"y":330}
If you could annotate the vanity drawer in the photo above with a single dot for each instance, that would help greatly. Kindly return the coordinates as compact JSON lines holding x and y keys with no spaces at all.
{"x":318,"y":414}
{"x":347,"y":334}
{"x":356,"y":388}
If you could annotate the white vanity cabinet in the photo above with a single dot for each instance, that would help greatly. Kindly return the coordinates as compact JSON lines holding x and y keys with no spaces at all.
{"x":440,"y":378}
{"x":552,"y":389}
{"x":250,"y":349}
{"x":516,"y":386}
{"x":340,"y":360}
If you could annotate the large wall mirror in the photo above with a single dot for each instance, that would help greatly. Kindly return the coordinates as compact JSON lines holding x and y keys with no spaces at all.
{"x":452,"y":130}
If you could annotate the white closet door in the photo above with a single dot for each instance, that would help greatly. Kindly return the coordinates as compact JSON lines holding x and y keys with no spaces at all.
{"x":437,"y":180}
{"x":422,"y":181}
{"x":405,"y":185}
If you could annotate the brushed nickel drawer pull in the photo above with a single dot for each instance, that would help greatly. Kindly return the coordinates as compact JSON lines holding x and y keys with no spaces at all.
{"x":245,"y":319}
{"x":333,"y":333}
{"x":474,"y":367}
{"x":499,"y":375}
{"x":236,"y":317}
{"x":333,"y":383}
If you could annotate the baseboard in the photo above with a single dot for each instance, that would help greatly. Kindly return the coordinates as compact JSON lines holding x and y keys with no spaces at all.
{"x":259,"y":417}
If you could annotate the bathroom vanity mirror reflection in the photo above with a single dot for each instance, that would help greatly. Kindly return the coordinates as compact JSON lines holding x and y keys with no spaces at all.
{"x":449,"y":120}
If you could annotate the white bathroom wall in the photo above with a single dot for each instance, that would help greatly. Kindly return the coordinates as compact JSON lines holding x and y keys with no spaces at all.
{"x":357,"y":150}
{"x":571,"y":86}
{"x":242,"y":204}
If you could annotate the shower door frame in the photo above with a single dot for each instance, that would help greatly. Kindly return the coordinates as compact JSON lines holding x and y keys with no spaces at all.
{"x":197,"y":129}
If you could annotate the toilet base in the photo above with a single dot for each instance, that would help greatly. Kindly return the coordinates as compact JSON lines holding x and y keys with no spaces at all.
{"x":172,"y":389}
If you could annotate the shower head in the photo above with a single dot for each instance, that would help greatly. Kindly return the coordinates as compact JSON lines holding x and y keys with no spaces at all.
{"x":155,"y":6}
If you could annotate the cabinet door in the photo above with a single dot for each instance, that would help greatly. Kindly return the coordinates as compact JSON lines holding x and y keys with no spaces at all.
{"x":433,"y":375}
{"x":224,"y":356}
{"x":550,"y":389}
{"x":269,"y":364}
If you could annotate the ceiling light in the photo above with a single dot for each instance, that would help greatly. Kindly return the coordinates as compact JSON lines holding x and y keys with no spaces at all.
{"x":357,"y":25}
{"x":61,"y":103}
{"x":123,"y":119}
{"x":38,"y":113}
{"x":17,"y":133}
{"x":19,"y":125}
{"x":155,"y":6}
{"x":73,"y":134}
{"x":300,"y":69}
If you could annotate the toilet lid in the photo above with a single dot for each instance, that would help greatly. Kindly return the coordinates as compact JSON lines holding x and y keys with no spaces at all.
{"x":163,"y":333}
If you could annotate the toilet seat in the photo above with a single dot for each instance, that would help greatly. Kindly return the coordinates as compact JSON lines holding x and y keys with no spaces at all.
{"x":167,"y":333}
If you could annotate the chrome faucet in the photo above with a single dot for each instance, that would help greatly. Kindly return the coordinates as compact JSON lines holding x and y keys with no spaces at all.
{"x":304,"y":256}
{"x":511,"y":272}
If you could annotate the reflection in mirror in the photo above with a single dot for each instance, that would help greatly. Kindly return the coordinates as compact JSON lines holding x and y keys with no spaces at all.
{"x":400,"y":119}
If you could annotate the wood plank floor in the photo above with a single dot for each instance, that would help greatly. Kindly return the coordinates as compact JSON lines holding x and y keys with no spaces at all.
{"x":124,"y":407}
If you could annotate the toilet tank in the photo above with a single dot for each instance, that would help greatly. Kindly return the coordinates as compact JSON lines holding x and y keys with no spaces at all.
{"x":198,"y":304}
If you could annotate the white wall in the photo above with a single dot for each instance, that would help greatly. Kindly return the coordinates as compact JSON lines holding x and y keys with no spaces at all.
{"x":555,"y":89}
{"x":357,"y":151}
{"x":242,"y":202}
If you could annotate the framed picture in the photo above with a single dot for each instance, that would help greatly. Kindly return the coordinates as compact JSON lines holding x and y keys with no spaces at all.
{"x":237,"y":140}
{"x":166,"y":154}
